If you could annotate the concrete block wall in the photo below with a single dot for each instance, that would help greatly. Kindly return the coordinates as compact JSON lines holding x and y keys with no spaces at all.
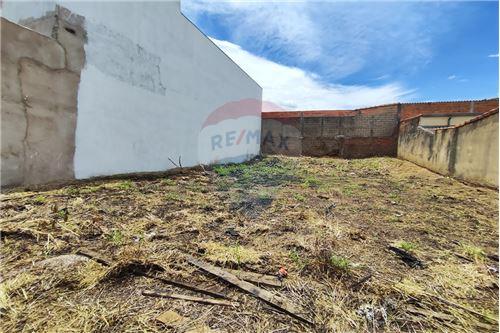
{"x":282,"y":136}
{"x":468,"y":151}
{"x":359,"y":133}
{"x":116,"y":88}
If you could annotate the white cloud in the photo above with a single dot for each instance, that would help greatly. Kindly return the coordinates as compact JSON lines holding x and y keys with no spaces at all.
{"x":493,"y":56}
{"x":337,"y":39}
{"x":295,"y":89}
{"x":457,"y":78}
{"x":382,"y":77}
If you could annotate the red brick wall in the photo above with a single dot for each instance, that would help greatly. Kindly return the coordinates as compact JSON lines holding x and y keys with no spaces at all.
{"x":414,"y":109}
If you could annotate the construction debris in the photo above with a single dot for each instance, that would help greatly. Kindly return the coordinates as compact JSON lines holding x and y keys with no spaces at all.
{"x":407,"y":257}
{"x":189,"y":298}
{"x":268,"y":280}
{"x":260,"y":293}
{"x":108,"y":262}
{"x":185,"y":285}
{"x":171,"y":318}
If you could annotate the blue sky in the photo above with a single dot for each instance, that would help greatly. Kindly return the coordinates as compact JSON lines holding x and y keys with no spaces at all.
{"x":334,"y":55}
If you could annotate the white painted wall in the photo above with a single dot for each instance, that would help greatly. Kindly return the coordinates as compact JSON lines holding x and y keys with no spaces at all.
{"x":150,"y":81}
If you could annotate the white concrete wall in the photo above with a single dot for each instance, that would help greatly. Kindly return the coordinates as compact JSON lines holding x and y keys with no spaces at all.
{"x":150,"y":82}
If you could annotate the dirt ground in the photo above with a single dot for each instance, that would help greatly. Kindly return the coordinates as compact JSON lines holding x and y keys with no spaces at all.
{"x":329,"y":222}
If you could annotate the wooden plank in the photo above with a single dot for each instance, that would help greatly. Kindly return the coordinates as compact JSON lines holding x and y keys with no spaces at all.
{"x":95,"y":256}
{"x":185,"y":285}
{"x":189,"y":298}
{"x":268,"y":280}
{"x":260,"y":293}
{"x":108,"y":262}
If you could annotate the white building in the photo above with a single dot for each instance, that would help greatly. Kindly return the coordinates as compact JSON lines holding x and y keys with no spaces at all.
{"x":152,"y":88}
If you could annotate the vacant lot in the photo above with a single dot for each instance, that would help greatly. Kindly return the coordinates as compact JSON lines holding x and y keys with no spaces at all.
{"x":330,"y":222}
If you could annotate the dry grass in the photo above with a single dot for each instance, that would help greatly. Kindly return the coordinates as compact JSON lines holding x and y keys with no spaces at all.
{"x":328,"y":221}
{"x":234,"y":254}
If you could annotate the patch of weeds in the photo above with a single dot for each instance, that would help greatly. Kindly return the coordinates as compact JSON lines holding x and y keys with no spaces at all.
{"x":372,"y":164}
{"x":63,"y":214}
{"x":473,"y":252}
{"x":394,"y":219}
{"x":299,"y":197}
{"x":40,"y":200}
{"x":172,"y":196}
{"x":91,"y":189}
{"x":268,"y":172}
{"x":394,"y":196}
{"x":116,"y":237}
{"x":230,"y":169}
{"x":340,"y":264}
{"x":350,"y":189}
{"x":72,"y":191}
{"x":407,"y":246}
{"x":366,"y":164}
{"x":123,"y":185}
{"x":264,"y":195}
{"x":341,"y":167}
{"x":311,"y":182}
{"x":235,"y":254}
{"x":223,"y":185}
{"x":126,"y":185}
{"x":298,"y":260}
{"x":168,"y":182}
{"x":195,"y":187}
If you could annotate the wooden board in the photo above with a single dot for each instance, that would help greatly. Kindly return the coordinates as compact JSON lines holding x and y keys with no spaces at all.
{"x":189,"y":298}
{"x":258,"y":292}
{"x":108,"y":262}
{"x":268,"y":280}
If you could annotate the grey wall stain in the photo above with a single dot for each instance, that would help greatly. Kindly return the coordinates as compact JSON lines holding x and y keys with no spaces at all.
{"x":123,"y":59}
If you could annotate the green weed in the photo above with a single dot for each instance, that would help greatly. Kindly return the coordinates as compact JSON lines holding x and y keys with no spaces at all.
{"x":40,"y":200}
{"x":264,"y":195}
{"x":311,"y":182}
{"x":223,"y":185}
{"x":300,"y":262}
{"x":340,"y":263}
{"x":407,"y":246}
{"x":126,"y":185}
{"x":351,"y":189}
{"x":168,"y":182}
{"x":299,"y":197}
{"x":172,"y":196}
{"x":473,"y":252}
{"x":116,"y":237}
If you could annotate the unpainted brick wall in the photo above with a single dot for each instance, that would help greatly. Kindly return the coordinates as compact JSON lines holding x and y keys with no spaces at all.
{"x":414,"y":109}
{"x":360,"y":133}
